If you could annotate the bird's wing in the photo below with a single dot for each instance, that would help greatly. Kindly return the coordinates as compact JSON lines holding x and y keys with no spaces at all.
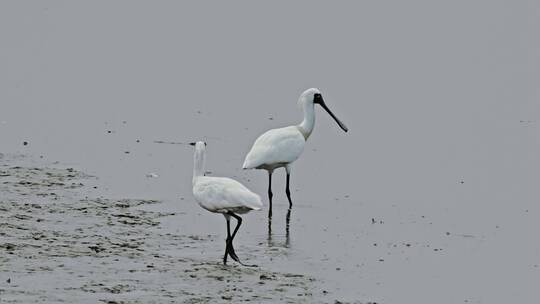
{"x":283,"y":145}
{"x":221,"y":193}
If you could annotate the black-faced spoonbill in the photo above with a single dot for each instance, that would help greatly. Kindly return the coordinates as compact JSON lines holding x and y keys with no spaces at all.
{"x":222,"y":195}
{"x":281,"y":147}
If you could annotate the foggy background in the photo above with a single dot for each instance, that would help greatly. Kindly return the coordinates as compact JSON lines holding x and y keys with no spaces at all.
{"x":441,"y":101}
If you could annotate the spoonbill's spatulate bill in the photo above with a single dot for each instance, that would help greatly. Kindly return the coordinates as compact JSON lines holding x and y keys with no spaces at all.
{"x":222,"y":195}
{"x":281,"y":147}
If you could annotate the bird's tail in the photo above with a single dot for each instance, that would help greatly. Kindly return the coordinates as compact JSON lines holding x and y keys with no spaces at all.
{"x":246,"y":164}
{"x":257,"y":204}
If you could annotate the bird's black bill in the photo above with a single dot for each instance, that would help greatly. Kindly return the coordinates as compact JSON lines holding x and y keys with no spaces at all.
{"x":341,"y":125}
{"x":194,"y":144}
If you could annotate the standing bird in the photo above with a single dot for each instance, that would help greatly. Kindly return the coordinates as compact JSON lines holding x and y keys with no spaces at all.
{"x":222,"y":195}
{"x":281,"y":147}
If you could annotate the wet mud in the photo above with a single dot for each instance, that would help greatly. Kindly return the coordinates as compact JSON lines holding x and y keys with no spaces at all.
{"x":59,"y":243}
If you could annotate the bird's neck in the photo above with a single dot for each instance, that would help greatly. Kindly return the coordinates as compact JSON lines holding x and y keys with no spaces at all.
{"x":306,"y":126}
{"x":198,"y":164}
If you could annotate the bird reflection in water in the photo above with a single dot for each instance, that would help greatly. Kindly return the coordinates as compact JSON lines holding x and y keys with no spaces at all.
{"x":270,"y":239}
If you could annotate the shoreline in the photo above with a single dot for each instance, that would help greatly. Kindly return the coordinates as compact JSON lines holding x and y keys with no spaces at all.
{"x":63,"y":243}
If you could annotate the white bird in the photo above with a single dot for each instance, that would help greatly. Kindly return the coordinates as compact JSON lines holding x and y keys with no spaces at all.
{"x":222,"y":195}
{"x":281,"y":147}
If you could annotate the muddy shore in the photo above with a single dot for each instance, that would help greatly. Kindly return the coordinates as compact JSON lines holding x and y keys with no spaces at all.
{"x":62,"y":243}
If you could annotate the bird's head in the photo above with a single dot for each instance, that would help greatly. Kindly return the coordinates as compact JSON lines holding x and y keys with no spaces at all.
{"x":309,"y":96}
{"x":312,"y":97}
{"x":199,"y":146}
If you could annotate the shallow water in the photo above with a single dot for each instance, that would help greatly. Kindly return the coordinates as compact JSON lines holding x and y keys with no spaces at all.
{"x":60,"y":243}
{"x":430,"y":197}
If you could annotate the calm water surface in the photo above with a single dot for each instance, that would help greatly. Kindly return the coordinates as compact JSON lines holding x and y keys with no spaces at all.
{"x":430,"y":197}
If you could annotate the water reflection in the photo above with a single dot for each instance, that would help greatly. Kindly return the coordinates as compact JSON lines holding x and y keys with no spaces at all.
{"x":270,"y":238}
{"x":287,"y":221}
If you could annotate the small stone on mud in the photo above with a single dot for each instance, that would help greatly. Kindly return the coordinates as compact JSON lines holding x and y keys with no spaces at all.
{"x":25,"y":143}
{"x":96,"y":249}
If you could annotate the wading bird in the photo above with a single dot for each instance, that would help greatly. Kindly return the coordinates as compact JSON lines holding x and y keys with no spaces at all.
{"x":222,"y":195}
{"x":281,"y":147}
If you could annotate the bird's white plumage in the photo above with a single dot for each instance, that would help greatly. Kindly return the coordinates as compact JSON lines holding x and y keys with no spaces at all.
{"x":222,"y":194}
{"x":276,"y":148}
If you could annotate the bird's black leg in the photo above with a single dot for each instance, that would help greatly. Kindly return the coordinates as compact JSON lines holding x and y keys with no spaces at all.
{"x":230,"y":243}
{"x":228,"y":240}
{"x":287,"y":190}
{"x":270,"y":194}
